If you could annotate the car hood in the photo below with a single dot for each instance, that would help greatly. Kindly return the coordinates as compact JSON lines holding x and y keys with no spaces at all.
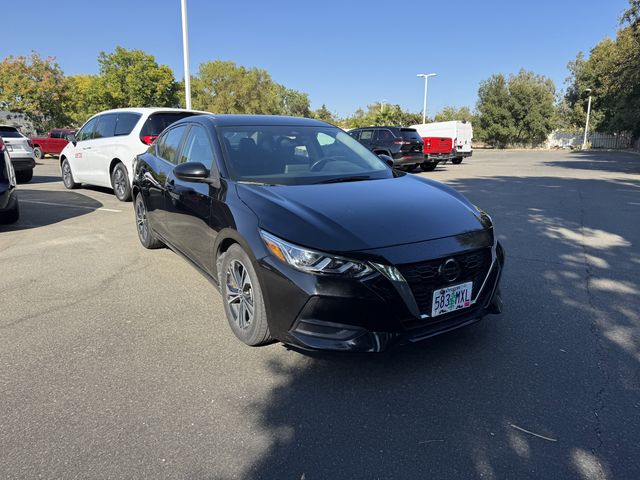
{"x":350,"y":216}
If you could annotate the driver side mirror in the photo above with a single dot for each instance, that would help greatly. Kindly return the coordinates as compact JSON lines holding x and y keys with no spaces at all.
{"x":386,"y":159}
{"x":194,"y":172}
{"x":71,"y":137}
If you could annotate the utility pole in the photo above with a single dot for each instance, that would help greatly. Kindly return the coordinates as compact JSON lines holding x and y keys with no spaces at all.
{"x":185,"y":54}
{"x":586,"y":126}
{"x":424,"y":104}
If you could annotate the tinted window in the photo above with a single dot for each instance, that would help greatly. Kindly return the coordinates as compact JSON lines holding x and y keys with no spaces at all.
{"x":354,"y":133}
{"x":366,"y":135}
{"x":289,"y":155}
{"x":106,"y":126}
{"x":9,"y":132}
{"x":56,"y":134}
{"x":410,"y":135}
{"x":197,"y":147}
{"x":157,"y":122}
{"x":86,"y":131}
{"x":385,"y":134}
{"x":126,"y":122}
{"x":170,"y":143}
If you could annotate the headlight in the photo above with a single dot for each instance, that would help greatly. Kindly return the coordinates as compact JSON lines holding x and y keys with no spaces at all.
{"x":312,"y":261}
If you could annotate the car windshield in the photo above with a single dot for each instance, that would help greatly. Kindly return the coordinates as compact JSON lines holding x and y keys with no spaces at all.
{"x":10,"y":132}
{"x":297,"y":155}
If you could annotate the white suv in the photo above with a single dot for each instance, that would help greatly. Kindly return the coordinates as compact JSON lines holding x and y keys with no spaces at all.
{"x":20,"y":149}
{"x":102,"y":152}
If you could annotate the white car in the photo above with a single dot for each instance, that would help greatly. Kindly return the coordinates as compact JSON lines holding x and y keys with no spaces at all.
{"x":20,"y":149}
{"x":101,"y":153}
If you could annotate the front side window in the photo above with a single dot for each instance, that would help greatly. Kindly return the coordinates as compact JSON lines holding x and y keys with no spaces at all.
{"x":86,"y":132}
{"x":197,"y":147}
{"x":106,"y":126}
{"x":126,"y":122}
{"x":169,"y":144}
{"x":366,"y":135}
{"x":294,"y":155}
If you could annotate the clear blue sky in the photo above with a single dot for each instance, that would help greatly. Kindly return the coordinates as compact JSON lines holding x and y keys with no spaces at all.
{"x":345,"y":54}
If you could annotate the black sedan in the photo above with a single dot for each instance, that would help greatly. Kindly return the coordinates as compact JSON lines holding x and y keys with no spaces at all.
{"x":9,"y":209}
{"x":311,"y":238}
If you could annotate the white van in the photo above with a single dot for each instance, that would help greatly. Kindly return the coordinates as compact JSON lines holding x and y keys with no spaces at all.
{"x":102,"y":152}
{"x":461,"y":134}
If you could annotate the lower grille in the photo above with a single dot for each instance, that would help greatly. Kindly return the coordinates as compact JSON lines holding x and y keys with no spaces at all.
{"x":425,"y":277}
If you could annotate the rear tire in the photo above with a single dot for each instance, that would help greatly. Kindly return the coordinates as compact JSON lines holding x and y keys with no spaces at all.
{"x":37,"y":152}
{"x":120,"y":183}
{"x":12,"y":215}
{"x":242,"y":298}
{"x":24,"y":176}
{"x":456,"y":161}
{"x":67,"y":176}
{"x":146,"y":235}
{"x":428,"y":167}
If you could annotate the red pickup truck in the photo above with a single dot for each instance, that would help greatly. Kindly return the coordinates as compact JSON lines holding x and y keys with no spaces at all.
{"x":52,"y":144}
{"x":435,"y":150}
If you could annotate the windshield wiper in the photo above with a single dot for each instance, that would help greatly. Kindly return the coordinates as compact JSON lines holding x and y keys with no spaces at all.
{"x":355,"y":178}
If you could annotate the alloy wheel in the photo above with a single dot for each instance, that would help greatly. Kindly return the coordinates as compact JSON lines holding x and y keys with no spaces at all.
{"x":239,"y":294}
{"x":141,"y":220}
{"x":66,"y":174}
{"x":119,"y":183}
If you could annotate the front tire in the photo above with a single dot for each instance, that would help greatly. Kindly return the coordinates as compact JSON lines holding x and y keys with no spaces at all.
{"x":242,"y":297}
{"x":456,"y":161}
{"x":67,"y":176}
{"x":12,"y":215}
{"x":146,"y":235}
{"x":120,"y":183}
{"x":37,"y":153}
{"x":24,"y":176}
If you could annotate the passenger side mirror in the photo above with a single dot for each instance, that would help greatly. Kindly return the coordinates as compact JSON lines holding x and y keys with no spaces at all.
{"x":71,"y":137}
{"x":386,"y":159}
{"x":191,"y":172}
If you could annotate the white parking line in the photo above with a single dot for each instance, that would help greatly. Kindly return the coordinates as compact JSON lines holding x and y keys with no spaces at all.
{"x":71,"y":206}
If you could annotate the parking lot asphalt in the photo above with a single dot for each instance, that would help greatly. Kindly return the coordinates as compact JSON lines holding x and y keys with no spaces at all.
{"x":117,"y":362}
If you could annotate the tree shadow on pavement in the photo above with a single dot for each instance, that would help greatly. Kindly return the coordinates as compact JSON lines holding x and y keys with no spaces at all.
{"x":610,"y":161}
{"x":548,"y":389}
{"x":39,"y":208}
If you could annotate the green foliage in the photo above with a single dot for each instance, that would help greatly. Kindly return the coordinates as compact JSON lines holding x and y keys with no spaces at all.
{"x":377,"y":114}
{"x":612,"y":72}
{"x":324,"y":114}
{"x":35,"y":86}
{"x":293,"y":102}
{"x":449,"y":113}
{"x":133,"y":78}
{"x":518,"y":110}
{"x":84,"y":98}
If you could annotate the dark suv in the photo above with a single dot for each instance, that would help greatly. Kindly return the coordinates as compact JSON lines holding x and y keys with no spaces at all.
{"x":403,"y":145}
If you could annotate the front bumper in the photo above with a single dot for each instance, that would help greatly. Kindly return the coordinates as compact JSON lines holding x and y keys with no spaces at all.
{"x":21,"y":164}
{"x":368,"y":315}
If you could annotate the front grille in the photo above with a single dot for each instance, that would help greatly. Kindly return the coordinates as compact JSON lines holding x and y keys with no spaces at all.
{"x":425,"y":277}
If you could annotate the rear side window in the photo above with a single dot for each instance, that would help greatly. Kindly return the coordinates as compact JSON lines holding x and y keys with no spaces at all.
{"x":56,"y":134}
{"x":126,"y":122}
{"x":106,"y":126}
{"x":86,"y":131}
{"x":157,"y":122}
{"x":10,"y":132}
{"x":169,"y":144}
{"x":410,"y":134}
{"x":385,"y":134}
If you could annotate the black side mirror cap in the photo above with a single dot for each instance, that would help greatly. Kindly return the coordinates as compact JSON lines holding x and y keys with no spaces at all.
{"x":386,"y":159}
{"x":193,"y":172}
{"x":71,"y":137}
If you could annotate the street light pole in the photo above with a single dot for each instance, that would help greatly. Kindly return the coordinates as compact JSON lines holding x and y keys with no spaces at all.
{"x":586,"y":126}
{"x":424,"y":104}
{"x":185,"y":54}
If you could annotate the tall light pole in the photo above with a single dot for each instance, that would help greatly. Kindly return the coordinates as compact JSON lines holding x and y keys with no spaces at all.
{"x":382,"y":105}
{"x":185,"y":54}
{"x":586,"y":126}
{"x":424,"y":105}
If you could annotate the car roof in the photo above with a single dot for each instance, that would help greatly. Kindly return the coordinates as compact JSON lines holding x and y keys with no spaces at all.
{"x":143,"y":110}
{"x":255,"y":120}
{"x":9,"y":126}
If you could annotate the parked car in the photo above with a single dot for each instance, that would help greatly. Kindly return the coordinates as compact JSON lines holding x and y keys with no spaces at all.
{"x":9,"y":208}
{"x":436,"y":150}
{"x":52,"y":144}
{"x":311,"y":238}
{"x":403,"y":145}
{"x":102,"y":151}
{"x":460,"y":133}
{"x":21,"y":151}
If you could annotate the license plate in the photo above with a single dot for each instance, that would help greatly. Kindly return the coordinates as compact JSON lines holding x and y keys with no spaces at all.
{"x":9,"y":148}
{"x":450,"y":299}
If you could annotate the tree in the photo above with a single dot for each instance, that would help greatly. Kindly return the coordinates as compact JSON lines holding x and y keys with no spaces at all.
{"x":35,"y":86}
{"x":376,"y":114}
{"x":224,"y":87}
{"x":84,"y":98}
{"x":449,"y":113}
{"x":324,"y":114}
{"x":519,"y":110}
{"x":293,"y":102}
{"x":133,"y":78}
